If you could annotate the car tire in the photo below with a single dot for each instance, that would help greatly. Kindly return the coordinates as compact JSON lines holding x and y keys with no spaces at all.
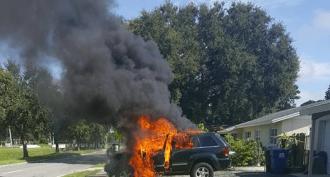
{"x":202,"y":170}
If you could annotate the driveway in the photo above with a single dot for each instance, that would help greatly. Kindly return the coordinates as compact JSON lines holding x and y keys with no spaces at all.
{"x":53,"y":168}
{"x":245,"y":172}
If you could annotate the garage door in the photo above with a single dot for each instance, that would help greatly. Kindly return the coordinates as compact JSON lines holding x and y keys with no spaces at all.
{"x":327,"y":142}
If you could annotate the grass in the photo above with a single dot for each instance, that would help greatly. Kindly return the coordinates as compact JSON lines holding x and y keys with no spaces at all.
{"x":83,"y":173}
{"x":100,"y":165}
{"x":83,"y":151}
{"x":14,"y":155}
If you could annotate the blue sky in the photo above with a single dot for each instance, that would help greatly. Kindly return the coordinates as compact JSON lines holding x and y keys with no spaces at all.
{"x":307,"y":22}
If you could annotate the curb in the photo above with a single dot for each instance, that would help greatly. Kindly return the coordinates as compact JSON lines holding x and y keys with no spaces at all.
{"x":13,"y":164}
{"x":88,"y":169}
{"x":44,"y":160}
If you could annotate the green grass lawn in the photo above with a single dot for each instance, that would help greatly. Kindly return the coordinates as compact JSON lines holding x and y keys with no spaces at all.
{"x":83,"y":173}
{"x":100,"y":165}
{"x":14,"y":155}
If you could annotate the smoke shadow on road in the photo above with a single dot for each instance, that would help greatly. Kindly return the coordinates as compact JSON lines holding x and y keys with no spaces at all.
{"x":70,"y":158}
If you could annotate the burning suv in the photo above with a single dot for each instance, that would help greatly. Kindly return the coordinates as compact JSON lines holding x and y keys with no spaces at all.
{"x":209,"y":152}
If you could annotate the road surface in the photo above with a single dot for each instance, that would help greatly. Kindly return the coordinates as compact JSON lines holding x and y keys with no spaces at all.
{"x":53,"y":168}
{"x":243,"y":174}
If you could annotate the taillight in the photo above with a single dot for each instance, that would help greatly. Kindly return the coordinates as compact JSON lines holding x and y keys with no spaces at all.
{"x":226,"y":151}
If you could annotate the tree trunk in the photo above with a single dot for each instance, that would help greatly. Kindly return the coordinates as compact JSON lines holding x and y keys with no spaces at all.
{"x":10,"y":137}
{"x":57,"y":149}
{"x":55,"y":141}
{"x":25,"y":150}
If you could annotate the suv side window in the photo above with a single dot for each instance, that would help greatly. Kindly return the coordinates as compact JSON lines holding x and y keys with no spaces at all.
{"x":195,"y":141}
{"x":207,"y":141}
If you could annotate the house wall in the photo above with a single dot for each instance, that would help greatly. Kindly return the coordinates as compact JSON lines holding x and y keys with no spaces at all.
{"x":264,"y":132}
{"x":300,"y":124}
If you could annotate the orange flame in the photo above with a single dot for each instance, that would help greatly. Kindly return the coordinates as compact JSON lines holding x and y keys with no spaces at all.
{"x":152,"y":137}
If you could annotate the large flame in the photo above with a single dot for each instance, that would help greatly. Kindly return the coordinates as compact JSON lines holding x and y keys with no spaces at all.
{"x":152,"y":137}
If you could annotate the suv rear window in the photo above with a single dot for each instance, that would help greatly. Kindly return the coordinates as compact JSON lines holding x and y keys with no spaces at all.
{"x":207,"y":141}
{"x":223,"y":141}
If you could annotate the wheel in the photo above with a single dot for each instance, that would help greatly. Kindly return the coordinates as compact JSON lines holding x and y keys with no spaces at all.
{"x":123,"y":174}
{"x":202,"y":170}
{"x":117,"y":171}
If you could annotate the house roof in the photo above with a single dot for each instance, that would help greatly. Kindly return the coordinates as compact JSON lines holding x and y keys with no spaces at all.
{"x":279,"y":116}
{"x":324,"y":106}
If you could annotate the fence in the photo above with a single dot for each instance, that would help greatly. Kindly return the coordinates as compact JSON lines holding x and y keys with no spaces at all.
{"x":298,"y":156}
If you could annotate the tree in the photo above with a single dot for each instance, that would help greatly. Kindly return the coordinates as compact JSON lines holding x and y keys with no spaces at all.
{"x":308,"y":102}
{"x":97,"y":134}
{"x":327,"y":94}
{"x":28,"y":119}
{"x":230,"y":65}
{"x":8,"y":100}
{"x":8,"y":96}
{"x":80,"y":132}
{"x":51,"y":98}
{"x":175,"y":32}
{"x":24,"y":113}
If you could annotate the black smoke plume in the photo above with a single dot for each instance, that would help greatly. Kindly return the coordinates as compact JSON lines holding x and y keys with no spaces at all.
{"x":109,"y":74}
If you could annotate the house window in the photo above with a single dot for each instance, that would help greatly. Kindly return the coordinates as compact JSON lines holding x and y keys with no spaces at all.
{"x":247,"y":135}
{"x":273,"y":136}
{"x":257,"y":135}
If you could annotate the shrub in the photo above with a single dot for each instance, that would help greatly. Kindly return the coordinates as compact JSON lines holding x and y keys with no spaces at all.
{"x":247,"y":153}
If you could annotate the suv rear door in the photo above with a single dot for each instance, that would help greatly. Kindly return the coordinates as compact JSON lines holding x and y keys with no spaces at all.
{"x":180,"y":157}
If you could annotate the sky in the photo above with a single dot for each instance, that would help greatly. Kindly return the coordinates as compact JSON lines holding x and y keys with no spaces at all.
{"x":307,"y":22}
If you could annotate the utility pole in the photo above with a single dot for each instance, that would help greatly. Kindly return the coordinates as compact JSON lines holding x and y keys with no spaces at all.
{"x":10,"y":137}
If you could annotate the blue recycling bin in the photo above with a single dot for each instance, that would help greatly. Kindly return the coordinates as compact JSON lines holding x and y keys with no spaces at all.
{"x":279,"y":161}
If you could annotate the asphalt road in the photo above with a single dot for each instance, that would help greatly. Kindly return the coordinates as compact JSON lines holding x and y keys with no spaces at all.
{"x":246,"y":172}
{"x":243,"y":174}
{"x":53,"y":168}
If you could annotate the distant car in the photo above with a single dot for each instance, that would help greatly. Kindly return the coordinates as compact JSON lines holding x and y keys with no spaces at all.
{"x":210,"y":153}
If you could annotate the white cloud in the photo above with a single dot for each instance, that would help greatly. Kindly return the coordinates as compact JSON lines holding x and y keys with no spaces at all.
{"x":313,"y":80}
{"x":309,"y":95}
{"x":318,"y":28}
{"x":313,"y":70}
{"x":321,"y":20}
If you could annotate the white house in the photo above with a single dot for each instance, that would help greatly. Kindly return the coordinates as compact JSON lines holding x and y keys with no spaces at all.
{"x":266,"y":129}
{"x":320,"y":136}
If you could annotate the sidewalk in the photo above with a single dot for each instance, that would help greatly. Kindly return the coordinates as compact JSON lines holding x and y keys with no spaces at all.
{"x":303,"y":175}
{"x":100,"y":174}
{"x":249,"y":169}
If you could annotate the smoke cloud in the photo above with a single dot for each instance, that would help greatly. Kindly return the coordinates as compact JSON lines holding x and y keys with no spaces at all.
{"x":108,"y":73}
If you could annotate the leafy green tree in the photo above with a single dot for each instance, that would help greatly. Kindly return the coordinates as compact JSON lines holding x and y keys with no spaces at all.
{"x":230,"y":64}
{"x":22,"y":110}
{"x":97,"y":135}
{"x":8,"y":99}
{"x":202,"y":127}
{"x":308,"y":102}
{"x":28,"y":119}
{"x":327,"y":94}
{"x":8,"y":94}
{"x":80,"y":132}
{"x":175,"y":33}
{"x":247,"y":153}
{"x":50,"y":96}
